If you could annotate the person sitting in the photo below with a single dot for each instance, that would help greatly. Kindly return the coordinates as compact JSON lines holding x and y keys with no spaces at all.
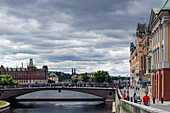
{"x":123,"y":97}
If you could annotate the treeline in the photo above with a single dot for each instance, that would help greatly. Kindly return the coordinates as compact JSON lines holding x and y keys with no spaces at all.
{"x":99,"y":76}
{"x":63,"y":77}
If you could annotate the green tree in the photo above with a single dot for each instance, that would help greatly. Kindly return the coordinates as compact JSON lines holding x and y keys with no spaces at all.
{"x":75,"y":80}
{"x":63,"y":77}
{"x":102,"y":76}
{"x":85,"y":77}
{"x":7,"y":80}
{"x":50,"y":81}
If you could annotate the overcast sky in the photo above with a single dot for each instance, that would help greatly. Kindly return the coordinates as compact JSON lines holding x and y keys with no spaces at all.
{"x":88,"y":35}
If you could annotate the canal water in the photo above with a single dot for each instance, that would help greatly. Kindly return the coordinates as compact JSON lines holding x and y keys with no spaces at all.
{"x":59,"y":106}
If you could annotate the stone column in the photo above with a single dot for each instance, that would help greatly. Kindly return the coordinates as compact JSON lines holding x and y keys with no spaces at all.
{"x":160,"y":47}
{"x":153,"y":58}
{"x":153,"y":84}
{"x":165,"y":37}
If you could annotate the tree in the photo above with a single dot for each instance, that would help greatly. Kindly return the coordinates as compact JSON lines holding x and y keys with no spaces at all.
{"x":102,"y":76}
{"x":75,"y":80}
{"x":50,"y":81}
{"x":7,"y":80}
{"x":85,"y":77}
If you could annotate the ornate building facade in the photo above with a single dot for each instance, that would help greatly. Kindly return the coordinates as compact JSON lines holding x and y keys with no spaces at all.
{"x":159,"y":26}
{"x":29,"y":75}
{"x":135,"y":55}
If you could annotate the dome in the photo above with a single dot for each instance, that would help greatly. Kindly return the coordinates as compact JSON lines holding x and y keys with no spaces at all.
{"x":52,"y":75}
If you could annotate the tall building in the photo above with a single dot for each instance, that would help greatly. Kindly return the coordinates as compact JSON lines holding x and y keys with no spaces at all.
{"x":29,"y":75}
{"x":146,"y":60}
{"x":159,"y":26}
{"x":136,"y":54}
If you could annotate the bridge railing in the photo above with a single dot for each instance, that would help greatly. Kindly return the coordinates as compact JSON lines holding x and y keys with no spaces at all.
{"x":124,"y":106}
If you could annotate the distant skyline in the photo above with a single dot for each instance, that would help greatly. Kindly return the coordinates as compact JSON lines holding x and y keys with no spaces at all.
{"x":88,"y":35}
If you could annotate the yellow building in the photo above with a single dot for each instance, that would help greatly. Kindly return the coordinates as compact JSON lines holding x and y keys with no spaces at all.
{"x":135,"y":55}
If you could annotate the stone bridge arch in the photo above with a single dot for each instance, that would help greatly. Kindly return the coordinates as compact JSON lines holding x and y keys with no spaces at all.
{"x":106,"y":93}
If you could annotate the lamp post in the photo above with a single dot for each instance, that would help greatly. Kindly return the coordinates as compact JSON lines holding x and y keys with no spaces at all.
{"x":134,"y":81}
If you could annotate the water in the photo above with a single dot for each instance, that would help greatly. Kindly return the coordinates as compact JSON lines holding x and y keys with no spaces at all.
{"x":59,"y":106}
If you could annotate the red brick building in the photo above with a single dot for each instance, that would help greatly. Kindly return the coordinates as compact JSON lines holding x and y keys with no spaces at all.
{"x":31,"y":74}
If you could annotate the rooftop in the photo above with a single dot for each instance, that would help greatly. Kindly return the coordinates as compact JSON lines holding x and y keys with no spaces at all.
{"x":165,"y":7}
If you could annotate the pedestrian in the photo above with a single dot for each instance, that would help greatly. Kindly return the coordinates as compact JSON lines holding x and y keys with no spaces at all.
{"x":135,"y":98}
{"x":127,"y":98}
{"x":146,"y":99}
{"x":139,"y":100}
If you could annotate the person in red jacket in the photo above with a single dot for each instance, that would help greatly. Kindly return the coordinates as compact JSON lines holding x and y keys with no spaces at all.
{"x":146,"y":99}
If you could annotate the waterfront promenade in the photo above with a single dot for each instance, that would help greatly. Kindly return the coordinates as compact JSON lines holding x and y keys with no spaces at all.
{"x":158,"y":104}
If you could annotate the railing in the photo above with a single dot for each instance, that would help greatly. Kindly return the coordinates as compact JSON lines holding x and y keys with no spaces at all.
{"x":123,"y":106}
{"x":138,"y":108}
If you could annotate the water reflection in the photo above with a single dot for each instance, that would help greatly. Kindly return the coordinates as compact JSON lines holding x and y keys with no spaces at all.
{"x":59,"y":106}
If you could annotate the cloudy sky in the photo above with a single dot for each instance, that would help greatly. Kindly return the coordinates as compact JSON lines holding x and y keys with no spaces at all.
{"x":88,"y":35}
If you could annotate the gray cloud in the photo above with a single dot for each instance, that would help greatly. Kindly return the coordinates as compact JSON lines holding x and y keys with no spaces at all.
{"x":89,"y":35}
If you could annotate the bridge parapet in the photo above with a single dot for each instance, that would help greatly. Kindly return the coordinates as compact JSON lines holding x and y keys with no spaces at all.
{"x":106,"y":93}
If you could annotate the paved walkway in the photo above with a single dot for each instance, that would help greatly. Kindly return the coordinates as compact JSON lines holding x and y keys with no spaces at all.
{"x":165,"y":106}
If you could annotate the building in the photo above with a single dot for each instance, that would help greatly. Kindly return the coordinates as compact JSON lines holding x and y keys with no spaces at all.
{"x":53,"y":77}
{"x":146,"y":60}
{"x":136,"y":54}
{"x":29,"y":75}
{"x":91,"y":75}
{"x":159,"y":26}
{"x":73,"y":72}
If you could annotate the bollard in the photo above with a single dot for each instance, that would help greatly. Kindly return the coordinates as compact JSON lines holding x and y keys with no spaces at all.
{"x":153,"y":100}
{"x":131,"y":99}
{"x":162,"y":100}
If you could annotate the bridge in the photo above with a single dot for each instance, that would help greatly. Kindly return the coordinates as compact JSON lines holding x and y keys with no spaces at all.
{"x":11,"y":93}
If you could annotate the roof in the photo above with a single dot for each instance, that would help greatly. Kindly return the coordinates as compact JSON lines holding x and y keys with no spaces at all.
{"x":156,"y":10}
{"x":166,"y":5}
{"x":31,"y":63}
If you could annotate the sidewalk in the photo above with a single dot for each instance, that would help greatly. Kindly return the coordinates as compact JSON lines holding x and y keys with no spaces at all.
{"x":140,"y":93}
{"x":165,"y":106}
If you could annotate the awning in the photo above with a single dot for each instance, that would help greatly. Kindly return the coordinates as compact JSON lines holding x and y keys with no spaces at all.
{"x":143,"y":82}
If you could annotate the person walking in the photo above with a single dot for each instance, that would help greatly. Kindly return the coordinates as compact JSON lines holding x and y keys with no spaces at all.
{"x":127,"y":98}
{"x":135,"y":98}
{"x":139,"y":100}
{"x":146,"y":99}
